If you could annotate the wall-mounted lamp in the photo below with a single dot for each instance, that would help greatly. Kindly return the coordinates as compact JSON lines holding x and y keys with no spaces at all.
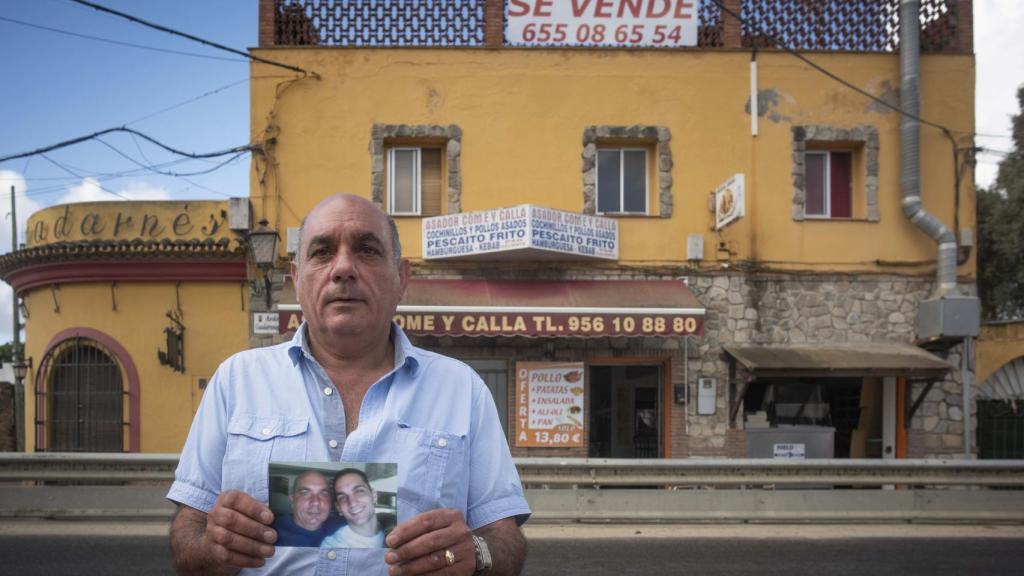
{"x":21,"y":367}
{"x":263,"y":244}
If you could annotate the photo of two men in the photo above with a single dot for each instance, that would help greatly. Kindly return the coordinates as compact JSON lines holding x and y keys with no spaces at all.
{"x":333,"y":504}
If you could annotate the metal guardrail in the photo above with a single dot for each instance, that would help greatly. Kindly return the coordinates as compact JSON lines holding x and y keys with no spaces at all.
{"x":583,"y":472}
{"x":59,"y":485}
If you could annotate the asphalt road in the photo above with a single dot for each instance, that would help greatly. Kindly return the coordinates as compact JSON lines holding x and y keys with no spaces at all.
{"x":762,"y":550}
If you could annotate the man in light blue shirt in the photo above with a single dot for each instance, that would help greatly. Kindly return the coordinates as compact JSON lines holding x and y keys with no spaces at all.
{"x":349,"y":387}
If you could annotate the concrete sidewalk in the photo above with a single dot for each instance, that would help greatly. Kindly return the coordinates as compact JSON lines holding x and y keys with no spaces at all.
{"x":542,"y":531}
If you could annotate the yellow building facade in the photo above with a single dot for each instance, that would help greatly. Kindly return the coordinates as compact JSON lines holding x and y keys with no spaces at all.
{"x":129,"y":307}
{"x":698,"y":251}
{"x":795,"y":301}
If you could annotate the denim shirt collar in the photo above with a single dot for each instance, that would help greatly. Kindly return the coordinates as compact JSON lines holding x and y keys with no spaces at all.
{"x":406,"y":355}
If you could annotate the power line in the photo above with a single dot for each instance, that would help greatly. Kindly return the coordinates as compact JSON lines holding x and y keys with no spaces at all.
{"x":189,"y":101}
{"x":95,"y":135}
{"x":64,"y":168}
{"x":119,"y":42}
{"x":778,"y":43}
{"x":193,"y":38}
{"x":161,"y":172}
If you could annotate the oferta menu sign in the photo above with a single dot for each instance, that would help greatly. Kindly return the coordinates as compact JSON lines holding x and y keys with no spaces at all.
{"x":549,"y":404}
{"x":605,"y":23}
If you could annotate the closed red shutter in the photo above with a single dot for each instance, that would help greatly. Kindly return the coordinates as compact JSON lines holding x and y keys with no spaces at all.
{"x":841,"y":198}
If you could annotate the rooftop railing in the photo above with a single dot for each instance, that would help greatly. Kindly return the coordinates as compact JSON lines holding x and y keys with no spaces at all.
{"x":806,"y":25}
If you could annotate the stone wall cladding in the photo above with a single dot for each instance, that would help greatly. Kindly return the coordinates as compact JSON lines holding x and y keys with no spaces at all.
{"x":742,"y":308}
{"x":865,"y":136}
{"x":661,"y":135}
{"x":790,"y":309}
{"x":452,"y":136}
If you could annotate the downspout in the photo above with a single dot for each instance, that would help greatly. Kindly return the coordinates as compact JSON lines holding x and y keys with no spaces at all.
{"x":910,"y":149}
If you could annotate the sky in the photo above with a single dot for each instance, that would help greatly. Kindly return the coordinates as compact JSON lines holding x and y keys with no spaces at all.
{"x":59,"y":85}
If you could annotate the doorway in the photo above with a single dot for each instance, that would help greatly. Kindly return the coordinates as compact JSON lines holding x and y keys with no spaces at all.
{"x":625,"y":411}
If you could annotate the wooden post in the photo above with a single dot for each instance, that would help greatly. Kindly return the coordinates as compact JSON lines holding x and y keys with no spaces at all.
{"x":266,"y":23}
{"x":494,"y":23}
{"x":732,"y":33}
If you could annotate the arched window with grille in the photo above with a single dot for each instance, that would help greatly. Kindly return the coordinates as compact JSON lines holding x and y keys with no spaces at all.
{"x":83,"y":398}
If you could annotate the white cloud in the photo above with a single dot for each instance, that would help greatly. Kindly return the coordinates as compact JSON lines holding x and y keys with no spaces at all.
{"x":25,"y":206}
{"x":90,"y":190}
{"x":999,"y":51}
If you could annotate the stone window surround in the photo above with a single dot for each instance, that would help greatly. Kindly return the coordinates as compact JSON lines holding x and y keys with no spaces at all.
{"x":593,"y":135}
{"x":451,"y":134}
{"x":866,"y":136}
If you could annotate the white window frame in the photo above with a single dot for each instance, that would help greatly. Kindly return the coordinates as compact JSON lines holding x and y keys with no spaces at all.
{"x":417,"y":188}
{"x":826,"y":186}
{"x":622,"y":180}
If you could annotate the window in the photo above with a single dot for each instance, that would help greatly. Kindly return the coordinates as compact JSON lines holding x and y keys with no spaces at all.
{"x":414,"y":181}
{"x":416,"y":168}
{"x":828,"y":184}
{"x":627,"y":170}
{"x":835,"y":173}
{"x":622,"y":180}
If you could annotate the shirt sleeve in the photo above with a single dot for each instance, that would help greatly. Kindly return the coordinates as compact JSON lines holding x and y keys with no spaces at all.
{"x":494,"y":488}
{"x":197,"y":480}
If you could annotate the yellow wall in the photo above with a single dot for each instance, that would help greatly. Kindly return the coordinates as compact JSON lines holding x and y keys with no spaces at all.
{"x":216,"y":327}
{"x":523,"y":113}
{"x":998,"y":344}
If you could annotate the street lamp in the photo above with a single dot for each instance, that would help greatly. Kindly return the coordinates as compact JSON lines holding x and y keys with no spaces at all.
{"x":21,"y":368}
{"x":263,"y":244}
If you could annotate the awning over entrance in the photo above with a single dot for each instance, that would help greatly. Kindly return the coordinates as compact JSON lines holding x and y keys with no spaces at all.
{"x":567,"y":308}
{"x":876,"y":359}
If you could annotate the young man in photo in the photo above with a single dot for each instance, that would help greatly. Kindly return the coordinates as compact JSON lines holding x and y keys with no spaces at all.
{"x":356,"y":502}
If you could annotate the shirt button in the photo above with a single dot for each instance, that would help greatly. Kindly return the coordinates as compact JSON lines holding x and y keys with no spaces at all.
{"x":442,"y":442}
{"x":266,"y":431}
{"x":332,"y":555}
{"x":333,"y":443}
{"x":328,"y":391}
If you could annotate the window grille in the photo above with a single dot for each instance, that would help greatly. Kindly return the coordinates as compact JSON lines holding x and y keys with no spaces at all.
{"x":81,"y":407}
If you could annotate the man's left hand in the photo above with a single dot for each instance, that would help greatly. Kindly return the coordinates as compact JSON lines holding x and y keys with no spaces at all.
{"x":418,"y":545}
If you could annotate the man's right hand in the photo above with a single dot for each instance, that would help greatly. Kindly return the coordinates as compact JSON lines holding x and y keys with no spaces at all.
{"x":235,"y":534}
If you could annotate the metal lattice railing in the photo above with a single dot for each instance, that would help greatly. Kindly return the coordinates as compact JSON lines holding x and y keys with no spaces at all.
{"x":855,"y":25}
{"x":712,"y":25}
{"x":831,"y":25}
{"x":379,"y":23}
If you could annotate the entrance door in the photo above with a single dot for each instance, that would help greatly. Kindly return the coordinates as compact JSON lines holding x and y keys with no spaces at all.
{"x":625,"y":411}
{"x":494,"y":373}
{"x":86,"y":400}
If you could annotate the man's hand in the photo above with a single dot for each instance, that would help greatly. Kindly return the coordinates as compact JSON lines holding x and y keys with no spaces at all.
{"x":235,"y":534}
{"x":419,"y":545}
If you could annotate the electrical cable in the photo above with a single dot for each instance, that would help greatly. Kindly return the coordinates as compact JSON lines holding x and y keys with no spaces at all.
{"x":152,"y":140}
{"x":779,"y":44}
{"x":153,"y":169}
{"x":64,"y":168}
{"x":155,"y":26}
{"x":189,"y":101}
{"x":119,"y":42}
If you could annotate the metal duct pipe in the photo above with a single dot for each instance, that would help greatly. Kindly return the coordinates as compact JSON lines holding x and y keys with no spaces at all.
{"x":910,"y":148}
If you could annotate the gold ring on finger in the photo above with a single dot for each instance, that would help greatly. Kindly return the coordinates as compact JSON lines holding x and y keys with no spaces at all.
{"x":449,"y":557}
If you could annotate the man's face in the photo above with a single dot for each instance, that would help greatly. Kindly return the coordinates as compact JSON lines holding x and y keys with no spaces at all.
{"x":311,"y":501}
{"x":346,"y":279}
{"x":354,"y":499}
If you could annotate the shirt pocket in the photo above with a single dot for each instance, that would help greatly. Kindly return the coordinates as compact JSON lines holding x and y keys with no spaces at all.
{"x":255,"y":441}
{"x":431,"y":474}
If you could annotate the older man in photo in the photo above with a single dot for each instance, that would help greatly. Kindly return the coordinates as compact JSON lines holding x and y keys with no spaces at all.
{"x":311,"y":520}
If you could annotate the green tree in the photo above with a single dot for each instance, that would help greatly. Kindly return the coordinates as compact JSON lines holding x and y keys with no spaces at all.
{"x":6,"y":352}
{"x":1001,"y":233}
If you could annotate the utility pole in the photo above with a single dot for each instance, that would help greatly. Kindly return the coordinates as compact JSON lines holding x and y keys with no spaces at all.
{"x":17,"y":357}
